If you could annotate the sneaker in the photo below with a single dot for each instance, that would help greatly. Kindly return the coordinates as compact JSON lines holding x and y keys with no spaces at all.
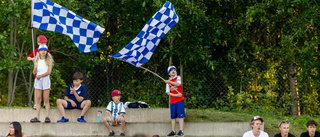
{"x":122,"y":134}
{"x":47,"y":120}
{"x":35,"y":107}
{"x":44,"y":106}
{"x":35,"y":120}
{"x":111,"y":133}
{"x":63,"y":120}
{"x":180,"y":133}
{"x":81,"y":120}
{"x":172,"y":133}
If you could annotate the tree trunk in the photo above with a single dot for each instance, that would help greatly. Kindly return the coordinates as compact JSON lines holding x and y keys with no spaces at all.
{"x":295,"y":108}
{"x":171,"y":46}
{"x":10,"y":87}
{"x":11,"y":84}
{"x":281,"y":85}
{"x":29,"y":86}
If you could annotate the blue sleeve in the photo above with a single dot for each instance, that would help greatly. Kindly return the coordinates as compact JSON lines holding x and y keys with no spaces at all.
{"x":67,"y":91}
{"x":83,"y":92}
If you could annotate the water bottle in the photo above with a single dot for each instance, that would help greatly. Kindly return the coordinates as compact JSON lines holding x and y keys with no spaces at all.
{"x":99,"y":114}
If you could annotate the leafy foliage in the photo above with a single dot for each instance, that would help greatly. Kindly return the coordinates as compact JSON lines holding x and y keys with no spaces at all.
{"x":235,"y":54}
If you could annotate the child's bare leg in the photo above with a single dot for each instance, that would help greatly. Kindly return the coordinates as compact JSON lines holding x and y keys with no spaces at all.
{"x":181,"y":122}
{"x":173,"y":124}
{"x":46,"y":94}
{"x":38,"y":93}
{"x":85,"y":105}
{"x":35,"y":98}
{"x":61,"y":104}
{"x":123,"y":123}
{"x":106,"y":123}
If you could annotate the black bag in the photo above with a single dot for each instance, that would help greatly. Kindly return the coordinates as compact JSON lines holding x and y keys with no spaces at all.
{"x":138,"y":104}
{"x":133,"y":105}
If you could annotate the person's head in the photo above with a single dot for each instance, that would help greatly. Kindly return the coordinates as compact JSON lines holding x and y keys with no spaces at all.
{"x":311,"y":127}
{"x":42,"y":40}
{"x":172,"y":71}
{"x":43,"y":50}
{"x":284,"y":127}
{"x":256,"y":123}
{"x":77,"y":78}
{"x":15,"y":129}
{"x":155,"y":136}
{"x":140,"y":135}
{"x":44,"y":54}
{"x":116,"y":96}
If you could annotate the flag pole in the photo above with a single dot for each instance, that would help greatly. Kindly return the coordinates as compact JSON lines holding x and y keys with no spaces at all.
{"x":152,"y":72}
{"x":144,"y":69}
{"x":32,"y":31}
{"x":156,"y":75}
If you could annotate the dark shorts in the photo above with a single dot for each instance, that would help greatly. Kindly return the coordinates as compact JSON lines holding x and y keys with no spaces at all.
{"x":69,"y":106}
{"x":177,"y":110}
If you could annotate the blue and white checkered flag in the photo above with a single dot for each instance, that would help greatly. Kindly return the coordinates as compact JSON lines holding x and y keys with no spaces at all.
{"x":48,"y":15}
{"x":141,"y":48}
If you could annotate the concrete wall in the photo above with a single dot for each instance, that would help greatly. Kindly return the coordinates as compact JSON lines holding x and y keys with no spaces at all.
{"x":148,"y":121}
{"x":132,"y":115}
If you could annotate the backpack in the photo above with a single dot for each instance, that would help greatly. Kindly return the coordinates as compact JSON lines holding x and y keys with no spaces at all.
{"x":138,"y":104}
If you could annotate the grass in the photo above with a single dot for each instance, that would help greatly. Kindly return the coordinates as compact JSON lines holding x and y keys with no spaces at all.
{"x":271,"y":121}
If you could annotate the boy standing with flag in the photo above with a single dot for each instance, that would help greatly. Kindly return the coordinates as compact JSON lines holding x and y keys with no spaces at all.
{"x":174,"y":90}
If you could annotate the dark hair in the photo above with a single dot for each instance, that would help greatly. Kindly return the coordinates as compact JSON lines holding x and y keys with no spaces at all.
{"x":140,"y":135}
{"x":155,"y":136}
{"x":312,"y":122}
{"x":77,"y":75}
{"x":17,"y":129}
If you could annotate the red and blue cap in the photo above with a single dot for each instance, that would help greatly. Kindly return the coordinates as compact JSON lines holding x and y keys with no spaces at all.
{"x":115,"y":93}
{"x":256,"y":117}
{"x":43,"y":47}
{"x":171,"y":67}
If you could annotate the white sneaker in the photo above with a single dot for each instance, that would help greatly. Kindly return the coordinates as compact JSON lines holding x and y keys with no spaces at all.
{"x":35,"y":107}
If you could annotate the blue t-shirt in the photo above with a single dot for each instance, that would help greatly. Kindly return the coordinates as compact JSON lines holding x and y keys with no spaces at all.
{"x":81,"y":91}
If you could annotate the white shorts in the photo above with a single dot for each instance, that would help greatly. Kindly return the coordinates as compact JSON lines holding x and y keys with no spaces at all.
{"x":43,"y":83}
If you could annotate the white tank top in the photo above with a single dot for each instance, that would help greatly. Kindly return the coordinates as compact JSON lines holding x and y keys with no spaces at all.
{"x":42,"y":67}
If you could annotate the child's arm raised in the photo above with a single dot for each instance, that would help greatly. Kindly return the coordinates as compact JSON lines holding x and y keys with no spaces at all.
{"x":173,"y":83}
{"x":79,"y":98}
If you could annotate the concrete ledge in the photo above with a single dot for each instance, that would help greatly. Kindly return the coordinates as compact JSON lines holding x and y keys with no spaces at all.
{"x":132,"y":115}
{"x":149,"y":121}
{"x":194,"y":129}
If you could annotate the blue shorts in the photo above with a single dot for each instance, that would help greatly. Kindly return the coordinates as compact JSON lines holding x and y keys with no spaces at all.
{"x":177,"y":110}
{"x":69,"y":106}
{"x":118,"y":121}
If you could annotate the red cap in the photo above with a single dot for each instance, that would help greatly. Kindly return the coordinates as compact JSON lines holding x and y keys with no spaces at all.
{"x":115,"y":93}
{"x":42,"y":39}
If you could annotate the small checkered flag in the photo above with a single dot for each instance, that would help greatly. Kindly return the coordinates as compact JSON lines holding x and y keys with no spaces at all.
{"x":47,"y":15}
{"x":141,"y":48}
